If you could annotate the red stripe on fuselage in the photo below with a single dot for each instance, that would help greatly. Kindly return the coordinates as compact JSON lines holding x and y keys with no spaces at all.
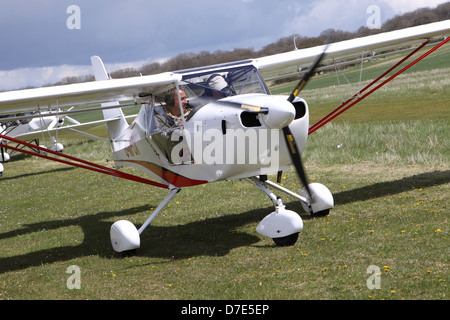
{"x":169,"y":176}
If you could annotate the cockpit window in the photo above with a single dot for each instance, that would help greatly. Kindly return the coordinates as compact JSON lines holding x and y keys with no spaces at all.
{"x":197,"y":89}
{"x":225,"y":82}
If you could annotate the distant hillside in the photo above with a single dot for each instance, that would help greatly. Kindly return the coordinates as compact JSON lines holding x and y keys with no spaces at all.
{"x":192,"y":60}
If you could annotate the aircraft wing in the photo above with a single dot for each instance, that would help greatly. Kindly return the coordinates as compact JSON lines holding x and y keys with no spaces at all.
{"x":270,"y":66}
{"x":291,"y":62}
{"x":84,"y":93}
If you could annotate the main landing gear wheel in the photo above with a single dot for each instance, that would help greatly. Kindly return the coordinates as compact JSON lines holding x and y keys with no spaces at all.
{"x":321,"y":214}
{"x":128,"y":253}
{"x":322,"y":200}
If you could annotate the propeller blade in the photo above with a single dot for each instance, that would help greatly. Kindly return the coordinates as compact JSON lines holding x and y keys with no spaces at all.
{"x":296,"y":158}
{"x":289,"y":137}
{"x":306,"y":77}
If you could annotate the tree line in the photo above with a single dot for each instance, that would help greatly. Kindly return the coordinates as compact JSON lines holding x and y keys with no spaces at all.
{"x":204,"y":58}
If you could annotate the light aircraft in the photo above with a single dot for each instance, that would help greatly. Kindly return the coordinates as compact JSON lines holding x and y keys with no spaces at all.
{"x":42,"y":126}
{"x":218,"y":122}
{"x":33,"y":124}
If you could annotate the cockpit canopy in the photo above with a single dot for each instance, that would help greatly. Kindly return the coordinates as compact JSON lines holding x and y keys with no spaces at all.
{"x":202,"y":86}
{"x":223,"y":82}
{"x":164,"y":116}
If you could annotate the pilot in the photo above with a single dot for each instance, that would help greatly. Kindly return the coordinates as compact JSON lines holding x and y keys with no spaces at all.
{"x":169,"y":116}
{"x":216,"y":88}
{"x":167,"y":119}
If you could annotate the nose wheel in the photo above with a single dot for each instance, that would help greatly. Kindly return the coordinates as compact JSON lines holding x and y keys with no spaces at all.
{"x":283,"y":225}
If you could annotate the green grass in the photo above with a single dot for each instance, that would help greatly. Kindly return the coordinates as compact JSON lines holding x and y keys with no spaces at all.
{"x":392,"y":143}
{"x":201,"y":247}
{"x":390,"y":179}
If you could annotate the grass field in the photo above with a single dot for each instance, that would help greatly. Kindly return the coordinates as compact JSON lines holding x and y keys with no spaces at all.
{"x":390,"y":178}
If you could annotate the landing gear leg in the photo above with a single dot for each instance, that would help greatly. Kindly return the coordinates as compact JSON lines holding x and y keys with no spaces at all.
{"x":321,"y":203}
{"x":125,"y":238}
{"x":282,"y":225}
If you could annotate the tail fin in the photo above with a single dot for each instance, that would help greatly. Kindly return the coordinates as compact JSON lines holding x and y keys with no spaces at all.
{"x":116,"y":127}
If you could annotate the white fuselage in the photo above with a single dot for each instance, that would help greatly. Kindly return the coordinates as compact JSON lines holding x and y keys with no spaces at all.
{"x":219,"y":142}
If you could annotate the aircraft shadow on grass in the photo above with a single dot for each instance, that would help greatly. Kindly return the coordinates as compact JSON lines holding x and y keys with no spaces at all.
{"x":211,"y":236}
{"x":26,"y":175}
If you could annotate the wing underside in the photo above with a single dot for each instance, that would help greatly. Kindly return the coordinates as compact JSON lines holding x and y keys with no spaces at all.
{"x":87,"y":93}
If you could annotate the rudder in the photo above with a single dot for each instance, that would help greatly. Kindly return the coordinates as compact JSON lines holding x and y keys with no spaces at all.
{"x":116,"y":127}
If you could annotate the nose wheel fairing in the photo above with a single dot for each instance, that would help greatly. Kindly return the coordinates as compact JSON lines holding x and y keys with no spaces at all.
{"x":283,"y":225}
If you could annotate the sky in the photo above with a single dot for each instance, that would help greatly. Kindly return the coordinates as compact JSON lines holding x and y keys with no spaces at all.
{"x":44,"y":41}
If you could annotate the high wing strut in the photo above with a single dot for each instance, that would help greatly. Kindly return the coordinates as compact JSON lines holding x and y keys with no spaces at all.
{"x":347,"y":105}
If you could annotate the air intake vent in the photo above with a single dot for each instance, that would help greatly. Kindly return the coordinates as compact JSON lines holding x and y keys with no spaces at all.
{"x":250,"y":119}
{"x":300,"y":109}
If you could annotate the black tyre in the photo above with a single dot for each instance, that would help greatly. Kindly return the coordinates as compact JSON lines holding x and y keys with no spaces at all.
{"x":286,"y":241}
